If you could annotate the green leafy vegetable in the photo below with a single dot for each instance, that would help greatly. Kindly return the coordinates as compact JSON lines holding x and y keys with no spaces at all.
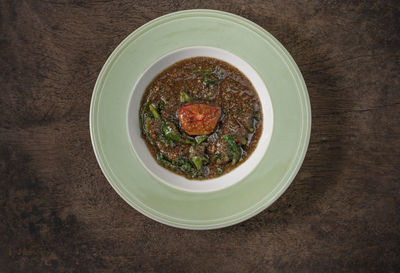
{"x":165,"y":161}
{"x":210,"y":76}
{"x":154,"y":112}
{"x":165,"y":140}
{"x":198,"y":160}
{"x":181,"y":164}
{"x":144,"y":109}
{"x":197,"y":174}
{"x":216,"y":157}
{"x":207,"y":70}
{"x":233,"y":149}
{"x":185,"y":164}
{"x":167,"y":131}
{"x":184,"y":97}
{"x":208,"y":81}
{"x":172,"y":118}
{"x":145,"y":119}
{"x":186,"y":141}
{"x":186,"y":167}
{"x":161,"y":104}
{"x":200,"y":139}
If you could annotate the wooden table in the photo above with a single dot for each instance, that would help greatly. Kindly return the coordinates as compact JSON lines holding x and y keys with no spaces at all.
{"x":59,"y":214}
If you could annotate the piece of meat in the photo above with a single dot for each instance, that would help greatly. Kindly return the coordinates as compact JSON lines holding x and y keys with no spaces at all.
{"x":199,"y":118}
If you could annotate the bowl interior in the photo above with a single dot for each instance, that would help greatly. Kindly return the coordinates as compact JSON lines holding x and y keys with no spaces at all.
{"x":170,"y":178}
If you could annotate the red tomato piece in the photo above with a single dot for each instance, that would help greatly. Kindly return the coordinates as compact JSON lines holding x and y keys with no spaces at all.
{"x":199,"y":118}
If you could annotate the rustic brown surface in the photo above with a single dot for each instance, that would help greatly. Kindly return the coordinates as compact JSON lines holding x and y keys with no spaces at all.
{"x":59,"y":214}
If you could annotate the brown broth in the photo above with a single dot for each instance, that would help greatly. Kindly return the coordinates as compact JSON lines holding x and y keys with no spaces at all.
{"x":201,"y":80}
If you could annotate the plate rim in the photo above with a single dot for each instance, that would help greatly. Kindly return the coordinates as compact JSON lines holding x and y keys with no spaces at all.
{"x":302,"y":148}
{"x":203,"y":181}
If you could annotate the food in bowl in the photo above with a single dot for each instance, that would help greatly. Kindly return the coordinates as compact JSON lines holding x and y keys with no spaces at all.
{"x":200,"y":118}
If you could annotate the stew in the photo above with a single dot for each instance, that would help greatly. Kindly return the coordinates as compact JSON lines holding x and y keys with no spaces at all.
{"x":201,"y":118}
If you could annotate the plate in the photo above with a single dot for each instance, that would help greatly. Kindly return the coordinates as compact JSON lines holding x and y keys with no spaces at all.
{"x":178,"y":181}
{"x":200,"y":210}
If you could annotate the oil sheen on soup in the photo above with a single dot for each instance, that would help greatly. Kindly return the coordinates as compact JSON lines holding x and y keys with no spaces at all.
{"x":200,"y":118}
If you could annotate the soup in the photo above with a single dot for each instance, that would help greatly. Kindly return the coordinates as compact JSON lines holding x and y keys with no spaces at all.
{"x":200,"y":118}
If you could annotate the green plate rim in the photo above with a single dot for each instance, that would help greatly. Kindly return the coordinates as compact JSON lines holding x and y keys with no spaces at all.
{"x":259,"y":206}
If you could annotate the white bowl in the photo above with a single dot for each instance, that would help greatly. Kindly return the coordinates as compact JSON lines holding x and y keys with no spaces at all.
{"x":170,"y":178}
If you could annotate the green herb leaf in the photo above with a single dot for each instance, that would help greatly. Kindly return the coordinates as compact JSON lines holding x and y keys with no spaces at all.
{"x":161,"y":104}
{"x":200,"y":139}
{"x":154,"y":112}
{"x":186,"y":167}
{"x":184,"y":97}
{"x":163,"y":159}
{"x":144,"y":109}
{"x":167,"y":130}
{"x":165,"y":140}
{"x":233,"y":149}
{"x":216,"y":157}
{"x":198,"y":160}
{"x":197,"y":174}
{"x":208,"y":81}
{"x":208,"y":70}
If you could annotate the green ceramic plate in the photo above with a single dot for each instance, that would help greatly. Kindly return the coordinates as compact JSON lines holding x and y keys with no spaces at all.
{"x":291,"y":119}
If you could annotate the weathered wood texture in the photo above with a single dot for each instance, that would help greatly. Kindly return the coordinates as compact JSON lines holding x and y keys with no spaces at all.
{"x":59,"y":214}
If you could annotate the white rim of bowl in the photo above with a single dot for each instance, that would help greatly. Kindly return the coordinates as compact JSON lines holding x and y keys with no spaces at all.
{"x":226,"y":180}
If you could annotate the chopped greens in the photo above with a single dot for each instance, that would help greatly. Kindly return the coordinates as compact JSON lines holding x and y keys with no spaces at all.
{"x":184,"y":97}
{"x":200,"y":139}
{"x":209,"y":76}
{"x":168,"y":132}
{"x":216,"y":157}
{"x":181,"y":164}
{"x":195,"y":126}
{"x":154,"y":112}
{"x":144,"y":109}
{"x":233,"y":149}
{"x":163,"y":159}
{"x":198,"y":161}
{"x":160,"y":105}
{"x":165,"y":140}
{"x":207,"y":80}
